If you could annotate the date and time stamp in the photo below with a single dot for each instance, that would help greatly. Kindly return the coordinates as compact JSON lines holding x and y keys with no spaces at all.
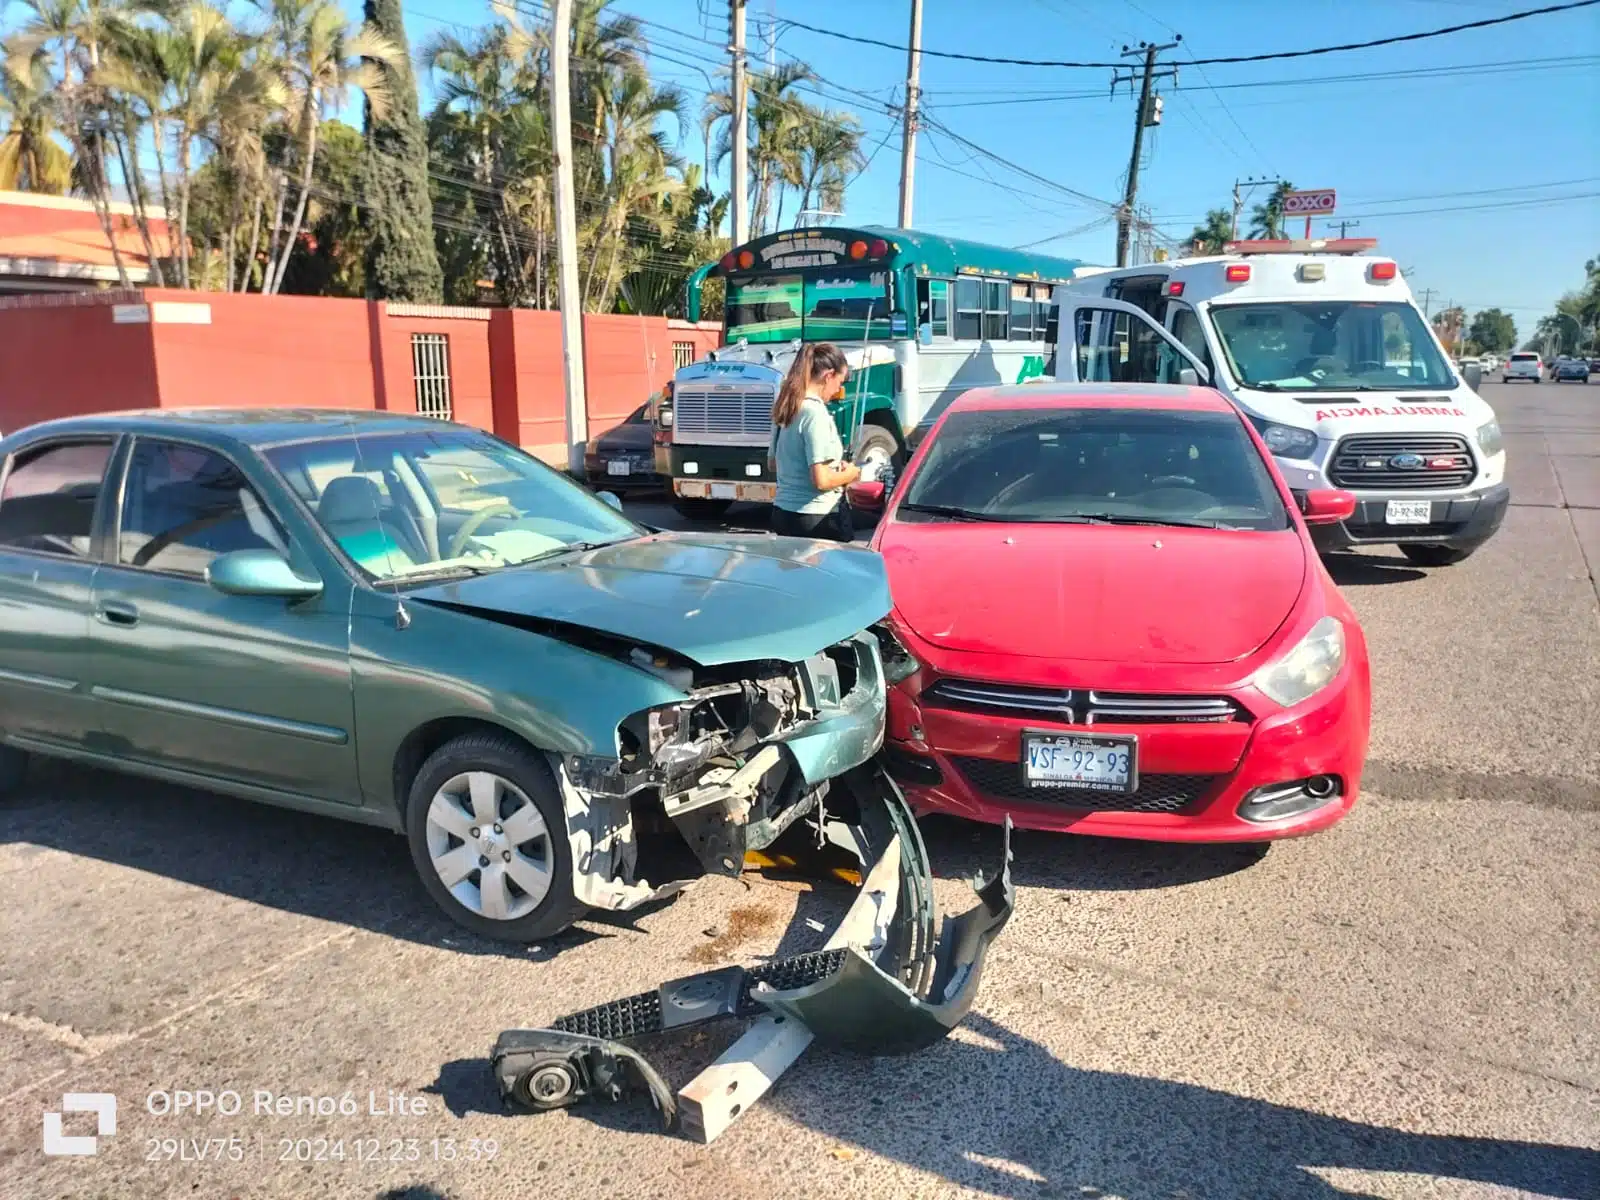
{"x":204,"y":1127}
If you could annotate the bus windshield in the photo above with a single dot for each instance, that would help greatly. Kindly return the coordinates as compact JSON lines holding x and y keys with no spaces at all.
{"x":848,"y":304}
{"x":1330,"y":346}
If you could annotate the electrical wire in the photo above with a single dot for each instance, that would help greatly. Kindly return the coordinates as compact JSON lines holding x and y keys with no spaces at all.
{"x":1393,"y":40}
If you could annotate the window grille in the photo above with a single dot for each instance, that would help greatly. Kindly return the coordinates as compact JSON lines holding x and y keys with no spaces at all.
{"x":430,"y":371}
{"x":682,"y":354}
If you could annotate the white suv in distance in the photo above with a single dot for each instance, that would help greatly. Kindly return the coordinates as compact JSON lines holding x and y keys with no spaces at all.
{"x":1523,"y":366}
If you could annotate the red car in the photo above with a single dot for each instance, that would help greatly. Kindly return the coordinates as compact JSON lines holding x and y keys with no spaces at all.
{"x":1109,"y":618}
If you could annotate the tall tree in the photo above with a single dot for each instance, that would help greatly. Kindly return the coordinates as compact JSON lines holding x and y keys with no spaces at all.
{"x":31,"y":160}
{"x":1493,"y":330}
{"x":828,"y":149}
{"x":1266,"y":221}
{"x":402,"y":262}
{"x":1214,"y":233}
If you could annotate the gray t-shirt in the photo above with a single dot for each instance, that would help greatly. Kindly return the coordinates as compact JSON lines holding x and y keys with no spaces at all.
{"x":811,"y":438}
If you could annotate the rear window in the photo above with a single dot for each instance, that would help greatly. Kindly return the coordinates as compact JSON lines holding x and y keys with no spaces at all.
{"x":1524,"y":358}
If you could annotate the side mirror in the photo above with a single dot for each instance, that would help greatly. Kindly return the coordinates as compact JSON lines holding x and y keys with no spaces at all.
{"x":259,"y":573}
{"x":612,"y":499}
{"x":1473,"y":374}
{"x":925,"y":334}
{"x":1327,"y":506}
{"x":867,"y":495}
{"x":1189,"y":377}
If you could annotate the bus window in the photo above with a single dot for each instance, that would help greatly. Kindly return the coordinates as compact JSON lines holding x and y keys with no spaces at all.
{"x":969,"y":310}
{"x":996,"y":309}
{"x":933,"y":305}
{"x":1041,"y":312}
{"x":764,"y":309}
{"x":1022,"y":312}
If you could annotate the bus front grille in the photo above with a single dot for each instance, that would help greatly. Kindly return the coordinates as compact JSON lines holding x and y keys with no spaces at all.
{"x":724,"y":416}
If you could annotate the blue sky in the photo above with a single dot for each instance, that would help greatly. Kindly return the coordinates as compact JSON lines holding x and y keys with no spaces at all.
{"x":1524,"y":112}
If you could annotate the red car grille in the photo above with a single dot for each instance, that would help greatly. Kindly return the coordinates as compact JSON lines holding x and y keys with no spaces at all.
{"x":1080,"y":706}
{"x":1002,"y":779}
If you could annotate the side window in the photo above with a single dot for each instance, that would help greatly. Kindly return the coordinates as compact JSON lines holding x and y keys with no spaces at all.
{"x":939,"y":307}
{"x":1022,"y":312}
{"x":49,"y":498}
{"x":969,"y":310}
{"x":1186,"y":328}
{"x":1117,"y":347}
{"x":996,"y":309}
{"x":183,"y":506}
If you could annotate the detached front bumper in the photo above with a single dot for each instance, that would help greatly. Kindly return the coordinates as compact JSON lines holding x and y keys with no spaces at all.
{"x":1459,"y":522}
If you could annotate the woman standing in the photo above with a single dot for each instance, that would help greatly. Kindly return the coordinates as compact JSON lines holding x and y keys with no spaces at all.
{"x":807,"y":457}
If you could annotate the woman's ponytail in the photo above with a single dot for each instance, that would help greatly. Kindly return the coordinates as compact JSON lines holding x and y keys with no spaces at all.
{"x":793,"y":392}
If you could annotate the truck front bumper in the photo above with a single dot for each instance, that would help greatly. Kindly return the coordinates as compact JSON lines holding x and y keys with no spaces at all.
{"x":1459,"y":522}
{"x":721,"y":473}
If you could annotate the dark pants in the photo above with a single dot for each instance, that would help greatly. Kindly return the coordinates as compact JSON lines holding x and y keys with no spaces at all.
{"x":835,"y":526}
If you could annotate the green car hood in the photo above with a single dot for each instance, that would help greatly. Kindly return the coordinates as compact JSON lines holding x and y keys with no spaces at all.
{"x":713,"y":599}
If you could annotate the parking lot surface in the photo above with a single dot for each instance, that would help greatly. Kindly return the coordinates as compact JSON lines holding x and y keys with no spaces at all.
{"x":1407,"y":1005}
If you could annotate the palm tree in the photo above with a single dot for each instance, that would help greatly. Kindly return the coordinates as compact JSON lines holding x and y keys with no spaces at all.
{"x":320,"y":57}
{"x":1214,"y":233}
{"x":31,"y":160}
{"x":829,"y":145}
{"x":775,"y":117}
{"x":1266,"y":221}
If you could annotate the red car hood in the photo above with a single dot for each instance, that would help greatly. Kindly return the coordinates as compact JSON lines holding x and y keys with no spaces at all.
{"x":1131,"y":594}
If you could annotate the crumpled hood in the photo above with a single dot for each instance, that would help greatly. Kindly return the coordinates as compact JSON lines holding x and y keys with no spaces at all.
{"x":1129,"y":594}
{"x":712,"y":598}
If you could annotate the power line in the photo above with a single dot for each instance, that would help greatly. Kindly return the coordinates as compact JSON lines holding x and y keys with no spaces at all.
{"x":1394,"y":40}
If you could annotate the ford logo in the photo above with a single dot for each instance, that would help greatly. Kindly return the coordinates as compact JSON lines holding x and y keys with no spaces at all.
{"x":1407,"y":462}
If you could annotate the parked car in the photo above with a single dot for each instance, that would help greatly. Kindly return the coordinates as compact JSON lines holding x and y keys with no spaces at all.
{"x":1523,"y":365}
{"x":1110,"y":618}
{"x":623,"y":457}
{"x":1571,"y":368}
{"x":412,"y":624}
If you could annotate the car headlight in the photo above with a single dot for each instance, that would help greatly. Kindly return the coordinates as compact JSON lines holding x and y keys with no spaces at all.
{"x":1287,"y":441}
{"x":898,"y":662}
{"x":1489,"y":438}
{"x":1308,"y":668}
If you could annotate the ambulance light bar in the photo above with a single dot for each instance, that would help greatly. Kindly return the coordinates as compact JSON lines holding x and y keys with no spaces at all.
{"x":1301,"y":246}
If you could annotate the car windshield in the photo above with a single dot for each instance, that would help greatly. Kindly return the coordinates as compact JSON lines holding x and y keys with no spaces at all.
{"x":847,"y":304}
{"x":1093,"y":466}
{"x":1330,"y":346}
{"x":424,"y":503}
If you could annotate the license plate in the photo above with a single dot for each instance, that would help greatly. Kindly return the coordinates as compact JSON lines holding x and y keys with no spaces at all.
{"x":757,"y":493}
{"x":1085,"y":763}
{"x":616,"y":467}
{"x":1408,"y":512}
{"x":724,"y":491}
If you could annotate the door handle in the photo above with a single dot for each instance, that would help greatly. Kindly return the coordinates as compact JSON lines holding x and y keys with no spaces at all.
{"x":117,"y":612}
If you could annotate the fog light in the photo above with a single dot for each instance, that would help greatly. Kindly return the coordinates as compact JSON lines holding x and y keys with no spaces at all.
{"x":1278,"y":801}
{"x":690,"y":468}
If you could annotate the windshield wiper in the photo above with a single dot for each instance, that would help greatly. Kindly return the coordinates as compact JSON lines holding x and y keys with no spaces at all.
{"x":433,"y":575}
{"x":1120,"y":519}
{"x":569,"y":548}
{"x":954,"y":512}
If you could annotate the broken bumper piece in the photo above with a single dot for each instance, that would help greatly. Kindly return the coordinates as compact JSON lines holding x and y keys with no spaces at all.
{"x":878,"y":987}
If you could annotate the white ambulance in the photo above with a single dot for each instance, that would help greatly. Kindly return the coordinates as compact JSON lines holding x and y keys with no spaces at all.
{"x":1322,"y":346}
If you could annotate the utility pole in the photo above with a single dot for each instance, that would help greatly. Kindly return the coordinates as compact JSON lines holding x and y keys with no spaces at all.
{"x":741,"y":122}
{"x":1427,"y":299}
{"x":1249,"y":185}
{"x":567,"y":234}
{"x":1142,"y":117}
{"x":1345,"y":225}
{"x":908,"y":140}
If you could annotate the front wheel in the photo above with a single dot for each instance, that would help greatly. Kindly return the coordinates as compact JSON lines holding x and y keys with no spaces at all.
{"x":488,"y":836}
{"x":702,"y":510}
{"x":1437,"y":556}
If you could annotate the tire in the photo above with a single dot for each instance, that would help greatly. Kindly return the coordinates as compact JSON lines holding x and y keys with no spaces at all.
{"x":702,"y":510}
{"x":878,"y":443}
{"x":440,"y":822}
{"x":1437,"y":556}
{"x":13,"y":769}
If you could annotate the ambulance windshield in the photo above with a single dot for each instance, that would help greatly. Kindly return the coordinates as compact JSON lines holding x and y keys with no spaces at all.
{"x":1343,"y":346}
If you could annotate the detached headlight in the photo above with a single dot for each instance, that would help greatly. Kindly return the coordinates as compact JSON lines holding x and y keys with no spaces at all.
{"x":1308,"y":668}
{"x":898,"y":662}
{"x":1489,"y":438}
{"x":1287,"y":441}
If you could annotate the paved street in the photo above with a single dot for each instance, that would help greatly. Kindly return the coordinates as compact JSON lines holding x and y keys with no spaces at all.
{"x":1406,"y":1006}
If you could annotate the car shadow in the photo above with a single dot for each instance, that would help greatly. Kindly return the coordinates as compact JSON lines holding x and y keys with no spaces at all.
{"x":1018,"y":1122}
{"x":1367,"y":570}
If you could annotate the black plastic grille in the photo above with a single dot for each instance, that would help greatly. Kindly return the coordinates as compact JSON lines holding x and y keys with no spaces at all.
{"x":1081,"y":706}
{"x":1002,"y":780}
{"x":1367,"y":462}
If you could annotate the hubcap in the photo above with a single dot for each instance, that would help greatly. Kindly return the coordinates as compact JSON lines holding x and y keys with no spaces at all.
{"x":489,"y":845}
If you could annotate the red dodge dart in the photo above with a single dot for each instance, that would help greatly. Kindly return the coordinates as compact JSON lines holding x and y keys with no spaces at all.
{"x":1109,"y":618}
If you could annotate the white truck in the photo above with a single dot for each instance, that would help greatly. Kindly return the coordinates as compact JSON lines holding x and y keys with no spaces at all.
{"x":1322,"y":346}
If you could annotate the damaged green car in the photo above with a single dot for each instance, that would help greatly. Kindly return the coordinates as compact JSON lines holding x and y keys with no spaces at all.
{"x":413,"y":624}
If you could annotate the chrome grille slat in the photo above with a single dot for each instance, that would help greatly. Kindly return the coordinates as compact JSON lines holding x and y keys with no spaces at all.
{"x":730,"y":416}
{"x":1083,"y":706}
{"x":1353,"y":462}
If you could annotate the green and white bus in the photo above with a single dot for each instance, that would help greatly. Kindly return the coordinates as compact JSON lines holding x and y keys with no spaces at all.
{"x":921,"y":319}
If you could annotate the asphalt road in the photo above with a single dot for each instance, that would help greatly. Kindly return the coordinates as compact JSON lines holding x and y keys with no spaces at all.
{"x":1408,"y":1005}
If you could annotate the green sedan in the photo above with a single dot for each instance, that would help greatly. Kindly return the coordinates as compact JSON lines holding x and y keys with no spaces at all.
{"x":413,"y":624}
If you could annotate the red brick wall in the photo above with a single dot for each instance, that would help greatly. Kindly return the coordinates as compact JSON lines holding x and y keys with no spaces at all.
{"x":62,"y":359}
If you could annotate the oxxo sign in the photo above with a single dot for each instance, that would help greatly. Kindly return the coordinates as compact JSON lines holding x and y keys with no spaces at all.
{"x":1308,"y":205}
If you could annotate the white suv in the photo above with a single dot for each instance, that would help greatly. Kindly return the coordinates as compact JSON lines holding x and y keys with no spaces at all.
{"x":1523,"y":366}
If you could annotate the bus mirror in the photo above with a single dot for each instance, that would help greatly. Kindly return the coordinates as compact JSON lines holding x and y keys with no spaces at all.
{"x":925,"y":334}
